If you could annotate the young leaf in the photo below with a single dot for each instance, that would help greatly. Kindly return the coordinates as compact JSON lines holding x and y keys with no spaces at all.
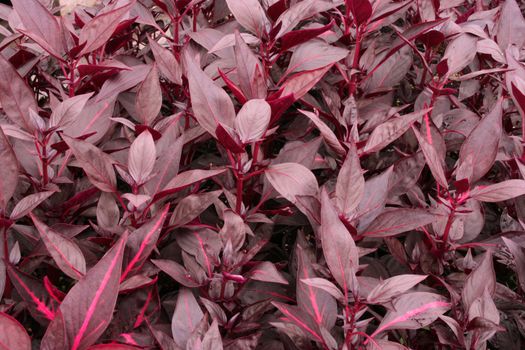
{"x":63,"y":250}
{"x":13,"y":335}
{"x":141,"y":158}
{"x":88,"y":307}
{"x":252,"y":120}
{"x":339,"y":248}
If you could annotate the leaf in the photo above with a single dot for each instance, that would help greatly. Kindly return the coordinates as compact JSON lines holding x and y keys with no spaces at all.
{"x":8,"y":170}
{"x":141,"y":157}
{"x":325,"y":285}
{"x":292,"y":180}
{"x":391,"y":130}
{"x":212,"y":339}
{"x":97,"y":165}
{"x":40,"y":25}
{"x":299,"y":84}
{"x":68,"y":110}
{"x":28,"y":203}
{"x":123,"y":81}
{"x":327,"y":133}
{"x":186,"y":317}
{"x":177,"y":272}
{"x":13,"y":335}
{"x":314,"y":54}
{"x":361,"y":10}
{"x":413,"y":311}
{"x":432,"y":158}
{"x":87,"y":309}
{"x":298,"y":37}
{"x":392,"y":287}
{"x":396,"y":221}
{"x":249,"y":70}
{"x":350,"y":185}
{"x":101,"y":27}
{"x":149,"y":97}
{"x":300,"y":318}
{"x":143,"y":240}
{"x":499,"y":192}
{"x":482,"y":277}
{"x":339,"y":248}
{"x":192,"y":206}
{"x":265,"y":271}
{"x":519,"y":260}
{"x":16,"y":98}
{"x":460,"y":52}
{"x":211,"y":105}
{"x":168,"y":65}
{"x":511,"y":23}
{"x":250,"y":15}
{"x":189,"y":177}
{"x":63,"y":250}
{"x":252,"y":120}
{"x":479,"y":151}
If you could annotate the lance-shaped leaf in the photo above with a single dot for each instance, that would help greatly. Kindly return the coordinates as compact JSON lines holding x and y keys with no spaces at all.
{"x":186,"y":317}
{"x":177,"y":272}
{"x":478,"y":152}
{"x":327,"y":133}
{"x":297,"y":37}
{"x":339,"y":248}
{"x":66,"y":253}
{"x":8,"y":170}
{"x":68,"y":110}
{"x":167,"y":63}
{"x":299,"y":84}
{"x":392,"y":287}
{"x":510,"y":25}
{"x":483,"y":277}
{"x":395,"y":221}
{"x":413,"y":311}
{"x":212,"y":339}
{"x":149,"y":97}
{"x":40,"y":25}
{"x":266,"y":272}
{"x":391,"y":130}
{"x":350,"y":185}
{"x":13,"y":335}
{"x":315,"y":54}
{"x":432,"y":158}
{"x":251,"y":15}
{"x":252,"y":120}
{"x":314,"y":300}
{"x":97,"y":165}
{"x":301,"y":319}
{"x":143,"y":240}
{"x":292,"y":180}
{"x":499,"y":192}
{"x":16,"y":98}
{"x":40,"y":305}
{"x":28,"y":203}
{"x":192,"y":206}
{"x":100,"y":29}
{"x":251,"y":81}
{"x":141,"y":157}
{"x":87,"y":309}
{"x":188,"y":178}
{"x":211,"y":105}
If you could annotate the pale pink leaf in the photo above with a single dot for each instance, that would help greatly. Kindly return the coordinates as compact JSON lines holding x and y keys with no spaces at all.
{"x":252,"y":120}
{"x":396,"y":221}
{"x":168,"y":65}
{"x":350,"y":185}
{"x":149,"y":97}
{"x":186,"y":317}
{"x":292,"y":180}
{"x":315,"y":54}
{"x":251,"y":15}
{"x":392,"y":287}
{"x":13,"y":335}
{"x":499,"y":192}
{"x":141,"y":159}
{"x":28,"y":203}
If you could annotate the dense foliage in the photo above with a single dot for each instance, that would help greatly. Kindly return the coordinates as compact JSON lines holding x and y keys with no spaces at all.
{"x":273,"y":174}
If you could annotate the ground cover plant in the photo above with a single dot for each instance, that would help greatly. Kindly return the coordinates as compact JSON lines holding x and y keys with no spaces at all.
{"x":274,"y":174}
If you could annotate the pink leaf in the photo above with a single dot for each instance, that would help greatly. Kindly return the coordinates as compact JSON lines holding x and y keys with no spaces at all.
{"x":250,"y":15}
{"x":265,"y":271}
{"x":482,"y":277}
{"x":292,"y":180}
{"x":300,"y":318}
{"x":350,"y":185}
{"x":141,"y":158}
{"x":168,"y":65}
{"x":252,"y":120}
{"x":339,"y":248}
{"x":100,"y":29}
{"x":8,"y":170}
{"x":396,"y":221}
{"x":392,"y":287}
{"x":66,"y":253}
{"x":177,"y":272}
{"x":13,"y":335}
{"x":28,"y":203}
{"x":327,"y":133}
{"x":149,"y":97}
{"x":314,"y":54}
{"x":192,"y":206}
{"x":478,"y":152}
{"x":499,"y":192}
{"x":87,"y":309}
{"x":432,"y":158}
{"x":519,"y":259}
{"x":186,"y":317}
{"x":299,"y":84}
{"x":252,"y":85}
{"x":187,"y":178}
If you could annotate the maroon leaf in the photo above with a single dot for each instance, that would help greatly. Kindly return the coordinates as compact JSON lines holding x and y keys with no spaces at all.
{"x":478,"y":152}
{"x":361,"y":10}
{"x":99,"y":29}
{"x":396,"y":221}
{"x":97,"y":165}
{"x":13,"y":335}
{"x":142,"y":242}
{"x":63,"y":250}
{"x":88,"y":307}
{"x":339,"y":247}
